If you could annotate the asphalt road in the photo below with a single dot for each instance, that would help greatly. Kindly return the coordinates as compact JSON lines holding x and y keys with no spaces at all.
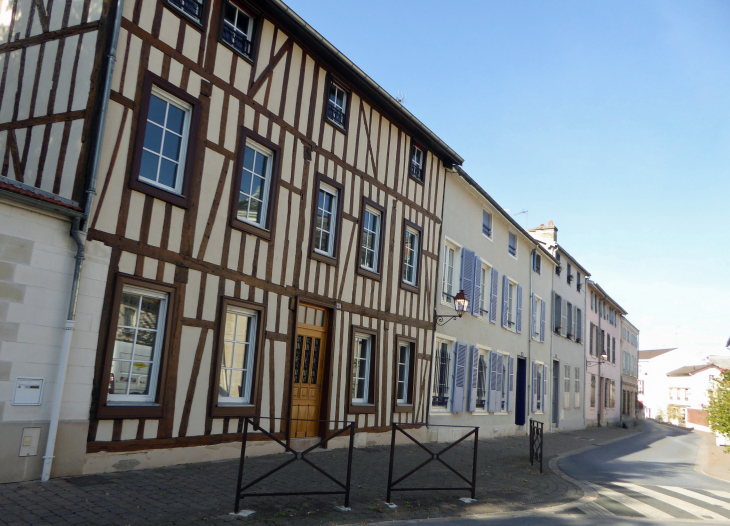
{"x":646,"y":479}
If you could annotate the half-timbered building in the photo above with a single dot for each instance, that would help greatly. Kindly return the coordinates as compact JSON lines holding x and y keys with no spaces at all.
{"x":273,"y":218}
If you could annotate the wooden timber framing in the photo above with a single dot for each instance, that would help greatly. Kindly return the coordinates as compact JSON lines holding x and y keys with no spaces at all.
{"x":277,"y":99}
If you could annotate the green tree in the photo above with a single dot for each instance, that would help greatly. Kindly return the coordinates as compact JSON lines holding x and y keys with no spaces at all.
{"x":718,"y":410}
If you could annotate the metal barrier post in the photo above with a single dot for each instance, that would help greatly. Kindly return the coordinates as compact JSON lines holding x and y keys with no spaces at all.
{"x":390,"y":465}
{"x":240,"y":465}
{"x":349,"y":464}
{"x":474,"y":466}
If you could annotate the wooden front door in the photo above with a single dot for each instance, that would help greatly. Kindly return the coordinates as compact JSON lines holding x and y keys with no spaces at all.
{"x":309,"y":358}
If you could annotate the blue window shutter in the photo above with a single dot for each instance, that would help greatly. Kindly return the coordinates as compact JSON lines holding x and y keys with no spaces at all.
{"x":457,"y":402}
{"x":533,"y":325}
{"x":505,"y":300}
{"x":519,"y":309}
{"x":474,"y":378}
{"x":493,"y":299}
{"x":476,"y":304}
{"x":500,"y":380}
{"x":542,"y":320}
{"x":534,"y":385}
{"x":467,"y":274}
{"x":511,"y":392}
{"x":544,"y":389}
{"x":492,"y":382}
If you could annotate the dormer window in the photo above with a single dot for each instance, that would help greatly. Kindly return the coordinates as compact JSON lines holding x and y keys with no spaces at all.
{"x":418,"y":158}
{"x":192,"y":8}
{"x":237,"y":29}
{"x":512,"y":247}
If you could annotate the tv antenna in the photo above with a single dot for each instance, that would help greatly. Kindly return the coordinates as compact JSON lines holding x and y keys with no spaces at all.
{"x":401,"y":97}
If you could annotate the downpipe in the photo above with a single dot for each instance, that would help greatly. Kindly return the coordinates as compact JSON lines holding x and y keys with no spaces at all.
{"x":78,"y":233}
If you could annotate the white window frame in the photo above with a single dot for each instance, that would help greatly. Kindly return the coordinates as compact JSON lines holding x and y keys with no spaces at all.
{"x":201,"y":6}
{"x":180,"y":174}
{"x":483,"y":354}
{"x":156,"y":352}
{"x":485,"y":300}
{"x":265,"y":152}
{"x":248,"y":35}
{"x":324,"y":187}
{"x":418,"y":161}
{"x":535,"y":329}
{"x":504,"y":402}
{"x":540,"y":400}
{"x":359,"y":337}
{"x":446,"y":284}
{"x":376,"y":238}
{"x":512,"y":306}
{"x":407,"y":372}
{"x":342,"y":108}
{"x":490,"y":237}
{"x":509,"y":233}
{"x":252,"y":316}
{"x":567,"y":391}
{"x":415,"y":248}
{"x":450,"y":345}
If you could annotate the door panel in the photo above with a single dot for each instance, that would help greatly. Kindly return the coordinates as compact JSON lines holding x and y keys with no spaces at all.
{"x":309,"y":354}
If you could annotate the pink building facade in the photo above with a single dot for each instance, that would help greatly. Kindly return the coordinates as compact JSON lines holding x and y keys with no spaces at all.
{"x":603,"y":371}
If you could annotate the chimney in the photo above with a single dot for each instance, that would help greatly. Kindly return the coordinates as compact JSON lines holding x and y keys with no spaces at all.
{"x":548,"y":234}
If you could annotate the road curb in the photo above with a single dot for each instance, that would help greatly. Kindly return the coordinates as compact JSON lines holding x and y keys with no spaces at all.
{"x":589,"y":493}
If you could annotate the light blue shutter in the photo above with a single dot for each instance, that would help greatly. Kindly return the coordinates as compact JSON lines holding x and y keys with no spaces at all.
{"x":492,"y":382}
{"x":544,"y":389}
{"x":493,"y":299}
{"x":579,"y":324}
{"x":476,"y":304}
{"x":542,"y":320}
{"x":467,"y":274}
{"x":474,"y":378}
{"x":505,"y":300}
{"x":519,"y":309}
{"x":500,"y":378}
{"x":569,"y":330}
{"x":534,"y":385}
{"x":511,"y":385}
{"x":457,"y":401}
{"x":533,"y":325}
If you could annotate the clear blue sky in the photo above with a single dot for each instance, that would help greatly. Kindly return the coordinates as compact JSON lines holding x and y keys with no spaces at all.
{"x":610,"y":118}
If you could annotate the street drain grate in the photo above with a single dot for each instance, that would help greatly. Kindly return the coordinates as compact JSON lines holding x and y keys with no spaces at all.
{"x":89,"y":480}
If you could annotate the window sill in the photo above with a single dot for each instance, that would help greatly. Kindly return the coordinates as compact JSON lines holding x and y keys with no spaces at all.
{"x":335,"y":125}
{"x":329,"y":260}
{"x":409,"y":287}
{"x":135,"y":183}
{"x":419,"y":181}
{"x":370,"y":274}
{"x":237,"y":51}
{"x":403,"y":408}
{"x":197,"y":24}
{"x":116,"y":410}
{"x":250,"y":228}
{"x":235,"y":410}
{"x":490,"y":238}
{"x":359,"y":409}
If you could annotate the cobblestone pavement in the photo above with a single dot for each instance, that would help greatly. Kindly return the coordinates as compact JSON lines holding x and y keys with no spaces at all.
{"x":204,"y":493}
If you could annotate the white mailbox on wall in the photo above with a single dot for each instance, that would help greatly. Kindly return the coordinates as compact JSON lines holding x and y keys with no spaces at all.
{"x":28,"y":391}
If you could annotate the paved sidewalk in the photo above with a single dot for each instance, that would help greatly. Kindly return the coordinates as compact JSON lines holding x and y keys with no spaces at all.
{"x":711,"y":458}
{"x":204,"y":493}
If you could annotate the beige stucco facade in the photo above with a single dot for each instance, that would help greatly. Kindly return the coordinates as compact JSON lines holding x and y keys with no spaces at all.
{"x":482,"y":331}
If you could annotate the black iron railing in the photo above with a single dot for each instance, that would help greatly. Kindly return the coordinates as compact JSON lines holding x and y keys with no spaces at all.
{"x":536,"y":429}
{"x":433,"y":456}
{"x":336,"y":115}
{"x":192,"y":8}
{"x":237,"y":40}
{"x":296,"y":455}
{"x":416,"y":171}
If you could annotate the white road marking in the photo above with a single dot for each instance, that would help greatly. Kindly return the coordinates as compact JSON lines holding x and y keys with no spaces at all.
{"x":699,"y":511}
{"x":641,"y":507}
{"x":591,"y":508}
{"x":723,"y":494}
{"x":698,"y":496}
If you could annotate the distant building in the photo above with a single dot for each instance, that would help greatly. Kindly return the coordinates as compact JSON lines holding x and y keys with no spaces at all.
{"x":653,"y":368}
{"x":629,"y":368}
{"x":688,"y":389}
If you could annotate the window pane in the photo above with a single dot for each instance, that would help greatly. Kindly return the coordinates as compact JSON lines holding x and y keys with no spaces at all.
{"x":145,"y":345}
{"x":230,"y":13}
{"x":237,"y":379}
{"x":168,"y":173}
{"x":150,"y":312}
{"x":175,"y":119}
{"x":124,"y":344}
{"x":128,"y":310}
{"x":139,"y":378}
{"x":227,"y":354}
{"x":242,"y":328}
{"x":260,"y":164}
{"x":242,"y":23}
{"x":257,"y":187}
{"x":248,"y":158}
{"x":172,"y":146}
{"x":254,"y":211}
{"x":153,"y":137}
{"x":157,"y":110}
{"x":240,"y":355}
{"x":243,"y":206}
{"x":224,"y":387}
{"x":119,"y":377}
{"x":148,"y":167}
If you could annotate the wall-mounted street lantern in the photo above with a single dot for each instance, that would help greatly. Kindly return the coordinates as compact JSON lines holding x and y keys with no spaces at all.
{"x":460,"y":304}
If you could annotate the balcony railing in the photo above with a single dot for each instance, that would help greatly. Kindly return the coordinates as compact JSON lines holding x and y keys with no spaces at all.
{"x":189,"y":7}
{"x":416,"y":171}
{"x":336,"y":115}
{"x":237,"y":40}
